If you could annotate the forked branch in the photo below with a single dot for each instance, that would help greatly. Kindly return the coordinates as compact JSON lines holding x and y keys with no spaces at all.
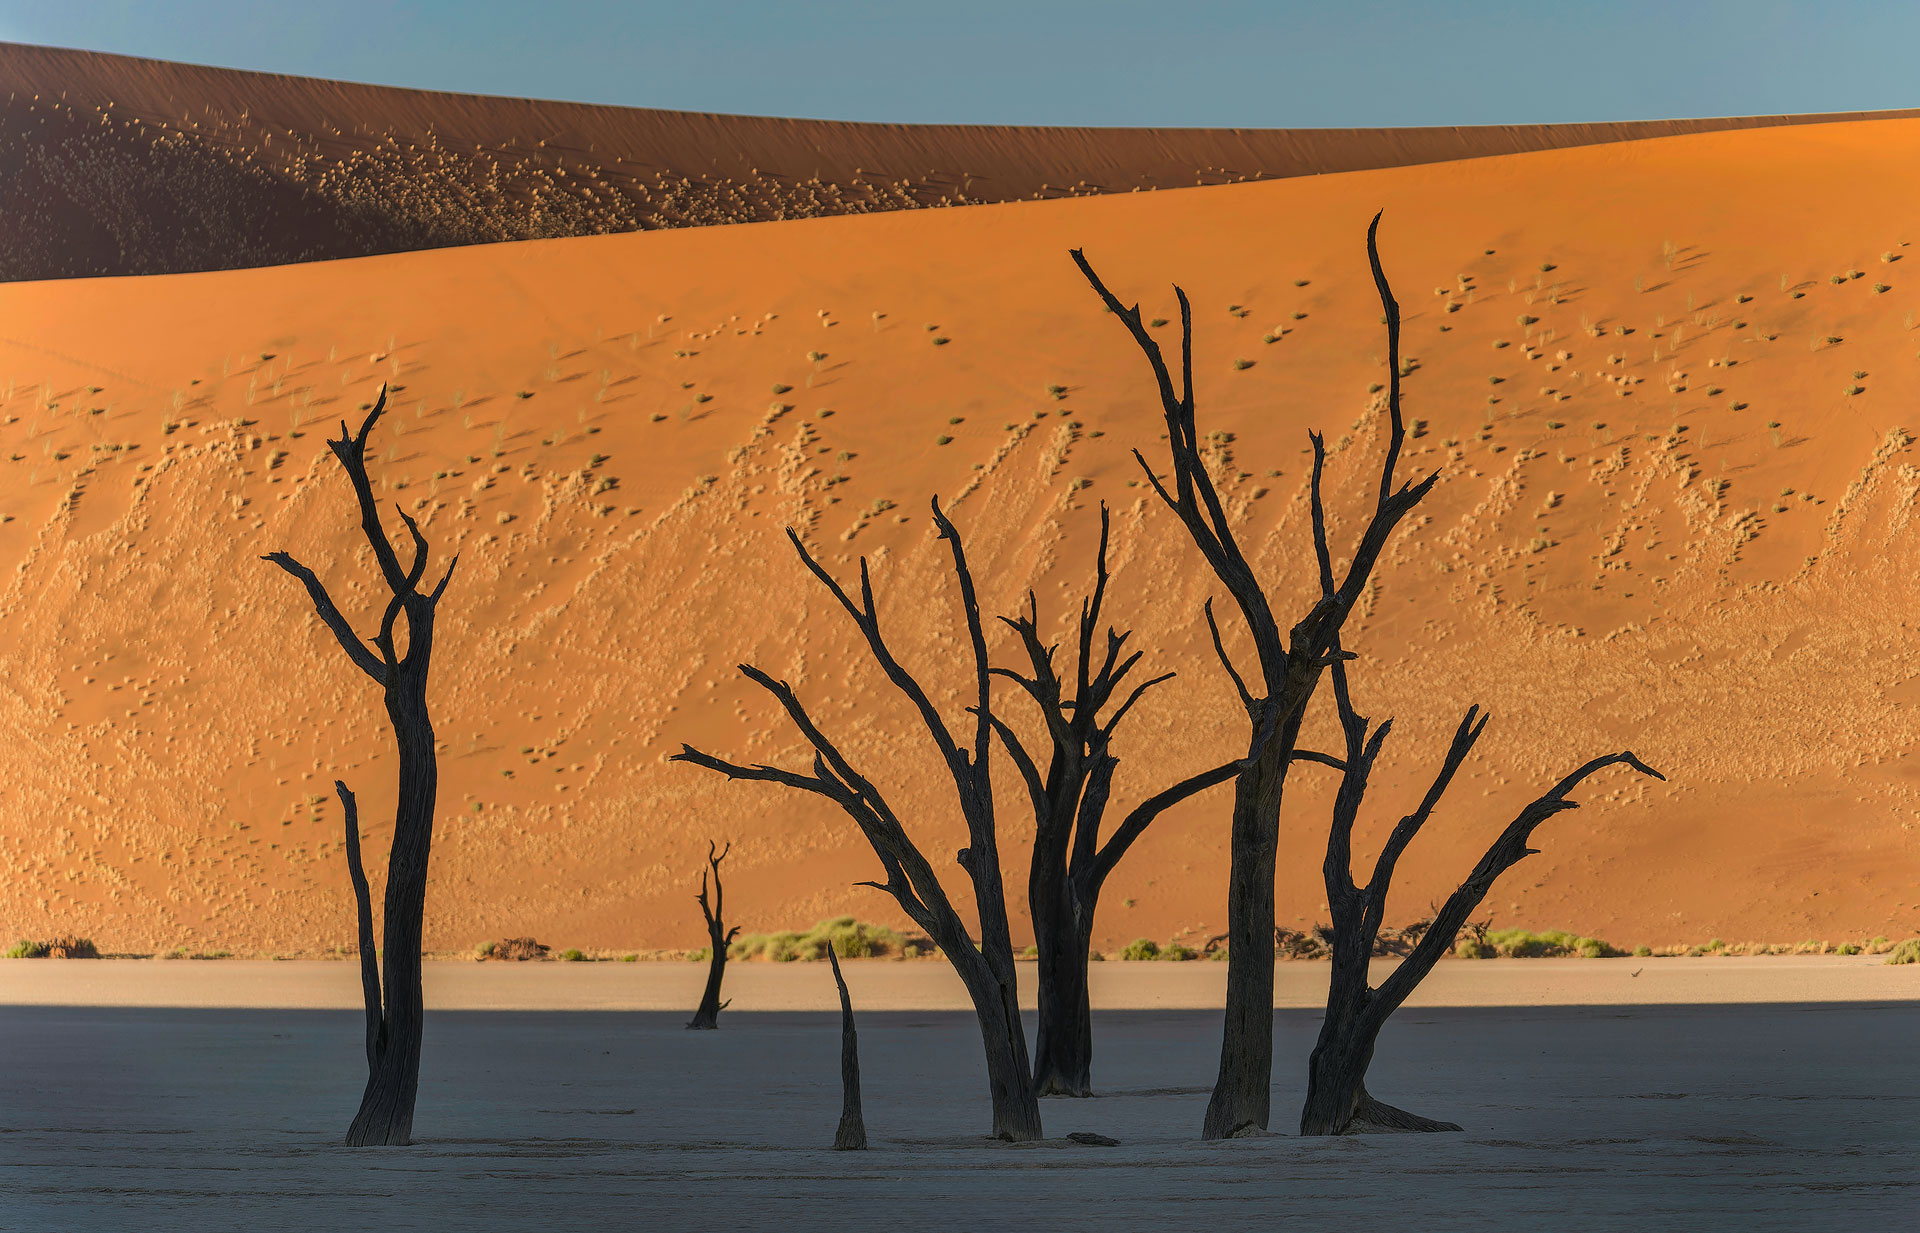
{"x":363,"y":914}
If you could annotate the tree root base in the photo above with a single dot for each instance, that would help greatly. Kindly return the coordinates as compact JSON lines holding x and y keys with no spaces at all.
{"x":1375,"y":1117}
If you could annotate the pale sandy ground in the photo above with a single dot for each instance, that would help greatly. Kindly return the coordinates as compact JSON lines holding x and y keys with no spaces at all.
{"x":931,"y":984}
{"x":1731,"y":1109}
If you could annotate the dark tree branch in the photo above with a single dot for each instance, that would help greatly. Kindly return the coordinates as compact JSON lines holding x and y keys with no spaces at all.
{"x":1226,"y":661}
{"x":324,"y":606}
{"x":1504,"y":853}
{"x":1142,"y":815}
{"x":363,"y":914}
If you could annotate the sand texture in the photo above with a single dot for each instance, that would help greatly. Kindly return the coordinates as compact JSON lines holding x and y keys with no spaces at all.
{"x":119,"y":165}
{"x":1670,"y":411}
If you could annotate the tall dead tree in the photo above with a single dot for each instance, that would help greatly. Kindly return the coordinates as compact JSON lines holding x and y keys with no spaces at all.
{"x":851,"y":1136}
{"x":1290,"y":666}
{"x":719,"y":937}
{"x":393,"y":1000}
{"x":1337,"y":1098}
{"x":1070,"y":798}
{"x":986,"y":968}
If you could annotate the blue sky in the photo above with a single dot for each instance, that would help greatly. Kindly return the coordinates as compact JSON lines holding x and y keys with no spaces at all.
{"x":1225,"y":63}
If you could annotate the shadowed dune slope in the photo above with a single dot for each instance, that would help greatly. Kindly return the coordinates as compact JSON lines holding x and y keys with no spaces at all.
{"x":114,"y":165}
{"x":1669,"y":387}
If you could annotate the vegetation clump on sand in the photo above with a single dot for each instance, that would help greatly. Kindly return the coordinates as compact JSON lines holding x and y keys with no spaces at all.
{"x":1141,"y":949}
{"x":515,"y":949}
{"x":853,"y":939}
{"x":1480,"y":943}
{"x":1907,"y":952}
{"x":64,"y":947}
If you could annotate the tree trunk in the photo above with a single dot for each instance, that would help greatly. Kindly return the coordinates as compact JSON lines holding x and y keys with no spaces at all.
{"x":386,"y":1107}
{"x":1063,"y":1046}
{"x":996,"y":1002}
{"x":1243,"y":1093}
{"x":852,"y":1134}
{"x":708,"y":1016}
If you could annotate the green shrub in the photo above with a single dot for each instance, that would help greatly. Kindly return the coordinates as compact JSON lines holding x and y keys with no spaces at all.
{"x":852,"y":939}
{"x":62,"y":947}
{"x":571,"y":955}
{"x":1141,"y":948}
{"x":1643,"y":952}
{"x":1907,"y":952}
{"x":1178,"y":953}
{"x":1553,"y":943}
{"x":1846,"y":948}
{"x":484,"y":950}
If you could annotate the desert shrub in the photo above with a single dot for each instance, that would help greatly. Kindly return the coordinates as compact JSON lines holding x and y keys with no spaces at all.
{"x":1141,"y":948}
{"x":630,"y":958}
{"x":516,"y":950}
{"x":1906,"y":952}
{"x":853,"y":939}
{"x":1177,"y":953}
{"x":570,"y":955}
{"x":63,"y":947}
{"x":1553,"y":943}
{"x":1846,"y":948}
{"x":1643,"y":952}
{"x":485,"y":949}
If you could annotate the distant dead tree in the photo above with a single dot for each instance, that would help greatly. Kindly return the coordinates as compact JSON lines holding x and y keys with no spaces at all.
{"x":986,"y":968}
{"x":1070,"y":799}
{"x":852,"y":1133}
{"x":1337,"y":1098}
{"x":393,"y":1001}
{"x":719,"y":938}
{"x":1290,"y":667}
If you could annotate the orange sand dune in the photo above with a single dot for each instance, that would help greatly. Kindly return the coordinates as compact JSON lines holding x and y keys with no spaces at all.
{"x":1668,"y":385}
{"x":117,"y":165}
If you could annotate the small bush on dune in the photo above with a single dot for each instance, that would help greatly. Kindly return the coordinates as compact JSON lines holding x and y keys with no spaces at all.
{"x":1177,"y":953}
{"x":851,"y":938}
{"x":1907,"y":952}
{"x":1526,"y":944}
{"x":571,"y":955}
{"x":64,"y":947}
{"x":515,"y":949}
{"x":1141,"y":948}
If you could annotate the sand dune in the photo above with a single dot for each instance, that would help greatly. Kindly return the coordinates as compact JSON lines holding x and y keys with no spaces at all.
{"x":117,"y":165}
{"x":1668,"y":385}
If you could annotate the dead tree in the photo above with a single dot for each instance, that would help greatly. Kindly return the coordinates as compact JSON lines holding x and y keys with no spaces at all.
{"x":393,"y":1001}
{"x":1337,"y":1098}
{"x":719,"y":937}
{"x":1070,"y":864}
{"x":852,"y":1134}
{"x":986,"y":968}
{"x":1290,"y":665}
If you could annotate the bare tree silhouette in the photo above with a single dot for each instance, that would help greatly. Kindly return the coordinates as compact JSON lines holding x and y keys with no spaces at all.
{"x":1337,"y":1098}
{"x":393,"y":1000}
{"x":986,"y":968}
{"x":719,"y":937}
{"x":1070,"y":797}
{"x":1290,"y":666}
